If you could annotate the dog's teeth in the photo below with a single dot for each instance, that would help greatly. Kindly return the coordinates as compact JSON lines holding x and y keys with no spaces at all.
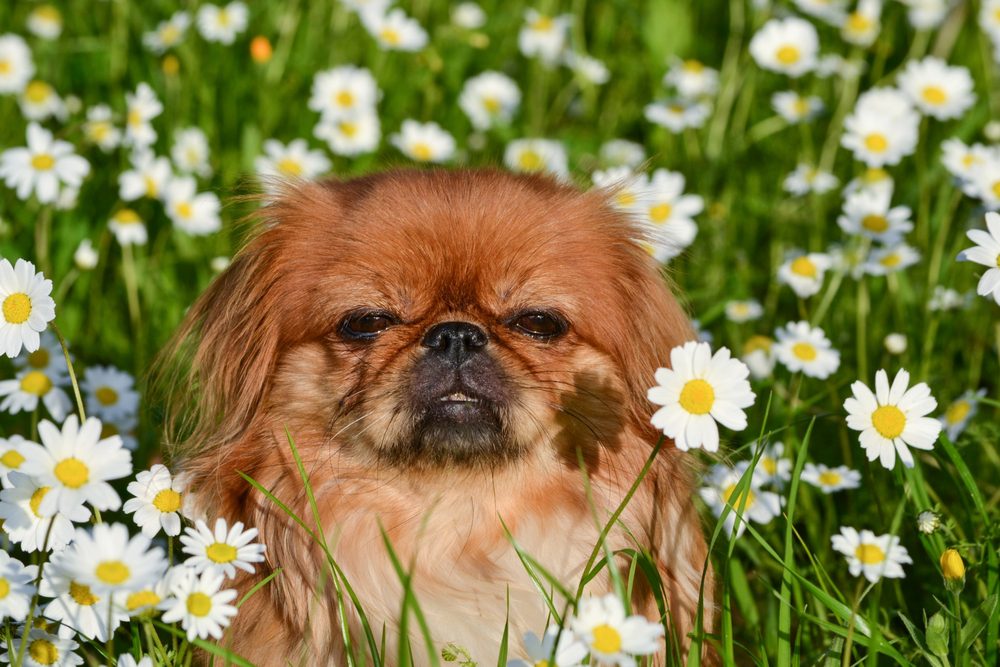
{"x":458,"y":396}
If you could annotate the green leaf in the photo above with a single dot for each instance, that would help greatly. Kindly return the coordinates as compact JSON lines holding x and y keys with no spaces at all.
{"x":977,"y":621}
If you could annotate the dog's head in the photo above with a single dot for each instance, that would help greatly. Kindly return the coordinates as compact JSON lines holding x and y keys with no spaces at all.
{"x":434,"y":319}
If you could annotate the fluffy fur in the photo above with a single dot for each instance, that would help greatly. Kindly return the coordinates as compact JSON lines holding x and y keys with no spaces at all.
{"x":264,"y":357}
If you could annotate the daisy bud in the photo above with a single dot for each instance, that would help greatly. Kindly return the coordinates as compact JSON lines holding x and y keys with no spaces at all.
{"x":953,"y":569}
{"x":928,"y":522}
{"x":895,"y":343}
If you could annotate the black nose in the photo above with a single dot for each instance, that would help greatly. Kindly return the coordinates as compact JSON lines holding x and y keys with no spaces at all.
{"x":455,"y":340}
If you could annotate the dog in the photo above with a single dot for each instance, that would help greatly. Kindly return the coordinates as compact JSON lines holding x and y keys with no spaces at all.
{"x":457,"y":361}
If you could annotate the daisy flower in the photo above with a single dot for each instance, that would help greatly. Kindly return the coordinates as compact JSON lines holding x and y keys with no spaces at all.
{"x":543,"y":36}
{"x":85,"y":256}
{"x":11,"y":457}
{"x":893,"y":419}
{"x":23,"y":393}
{"x":926,"y":14}
{"x":292,"y":161}
{"x":167,"y":34}
{"x":45,"y":21}
{"x":743,"y":311}
{"x":158,"y":501}
{"x":758,"y":355}
{"x":720,"y":492}
{"x":23,"y":521}
{"x":677,"y":115}
{"x":76,"y":605}
{"x":622,"y":153}
{"x":343,"y":92}
{"x":147,"y":600}
{"x":199,"y":604}
{"x":16,"y":66}
{"x":110,"y":393}
{"x":192,"y":212}
{"x":489,"y":99}
{"x":806,"y":179}
{"x":989,"y":18}
{"x":468,"y":15}
{"x":890,"y":259}
{"x":801,"y":347}
{"x":222,"y":550}
{"x":394,"y":30}
{"x":42,"y":166}
{"x":830,"y":480}
{"x":945,"y":298}
{"x":77,"y":464}
{"x":351,"y":136}
{"x":558,"y":643}
{"x":870,"y":555}
{"x":795,"y":108}
{"x":16,"y":588}
{"x":959,"y":412}
{"x":627,"y":186}
{"x":148,"y":177}
{"x":831,"y":11}
{"x":804,"y":272}
{"x":612,"y":637}
{"x":875,"y":179}
{"x":867,"y":213}
{"x":937,"y":89}
{"x":787,"y":46}
{"x":424,"y":142}
{"x":985,"y":182}
{"x":691,"y":78}
{"x":107,"y":560}
{"x":142,"y":106}
{"x":99,"y":128}
{"x":222,"y":24}
{"x":882,"y":129}
{"x":535,"y":155}
{"x":190,"y":152}
{"x":895,"y":343}
{"x":39,"y":101}
{"x":773,"y":467}
{"x":42,"y":649}
{"x":699,"y":390}
{"x":862,"y":26}
{"x":928,"y":522}
{"x":986,"y":252}
{"x":128,"y":227}
{"x":587,"y":68}
{"x":127,"y":660}
{"x":123,"y":428}
{"x":26,"y":306}
{"x":667,"y":214}
{"x":962,"y":160}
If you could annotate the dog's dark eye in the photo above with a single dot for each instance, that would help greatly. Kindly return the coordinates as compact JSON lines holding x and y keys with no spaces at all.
{"x":366,"y":325}
{"x":539,"y":324}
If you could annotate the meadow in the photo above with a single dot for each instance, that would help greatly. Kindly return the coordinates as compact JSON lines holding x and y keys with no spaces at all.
{"x":819,"y":179}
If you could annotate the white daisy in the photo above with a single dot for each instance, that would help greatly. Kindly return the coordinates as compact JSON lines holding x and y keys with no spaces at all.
{"x":862,"y":26}
{"x":11,"y":458}
{"x":890,"y":259}
{"x":128,"y":227}
{"x":222,"y":24}
{"x":667,"y":214}
{"x":945,"y":298}
{"x":41,"y":649}
{"x":123,"y":428}
{"x":351,"y":135}
{"x":892,"y":419}
{"x":535,"y":155}
{"x":108,"y":561}
{"x":804,"y":272}
{"x":23,"y":522}
{"x":699,"y":390}
{"x":960,"y":411}
{"x":158,"y":501}
{"x":489,"y":99}
{"x":612,"y":637}
{"x":45,"y":21}
{"x":199,"y":604}
{"x":926,"y":14}
{"x":758,"y":355}
{"x":754,"y":504}
{"x":895,"y":343}
{"x":127,"y":660}
{"x":28,"y":388}
{"x":830,"y":480}
{"x":76,"y":605}
{"x":882,"y":129}
{"x":691,"y":78}
{"x":142,"y":107}
{"x":290,"y":162}
{"x":558,"y":647}
{"x":985,"y":181}
{"x":343,"y":92}
{"x":190,"y":152}
{"x":928,"y":522}
{"x":622,"y":153}
{"x":25,"y":305}
{"x":543,"y":36}
{"x":149,"y":177}
{"x":788,"y":46}
{"x":677,"y":115}
{"x":773,"y":467}
{"x":42,"y":166}
{"x":468,"y":15}
{"x":77,"y":464}
{"x":986,"y":252}
{"x":744,"y":311}
{"x":394,"y":30}
{"x":100,"y":129}
{"x":962,"y":161}
{"x":937,"y":89}
{"x":110,"y":393}
{"x":16,"y":588}
{"x":807,"y":178}
{"x":39,"y":101}
{"x":85,"y":256}
{"x":989,"y":18}
{"x":222,"y":550}
{"x":831,"y":11}
{"x":588,"y":69}
{"x":874,"y":179}
{"x":870,"y":555}
{"x":867,"y":213}
{"x":167,"y":34}
{"x":795,"y":108}
{"x":628,"y":187}
{"x":424,"y":142}
{"x":196,"y":213}
{"x":16,"y":66}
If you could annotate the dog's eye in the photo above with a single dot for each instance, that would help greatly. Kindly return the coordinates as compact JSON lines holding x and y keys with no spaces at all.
{"x":539,"y":324}
{"x":368,"y":324}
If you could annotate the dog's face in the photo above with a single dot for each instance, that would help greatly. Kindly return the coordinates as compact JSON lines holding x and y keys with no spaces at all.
{"x":440,"y":319}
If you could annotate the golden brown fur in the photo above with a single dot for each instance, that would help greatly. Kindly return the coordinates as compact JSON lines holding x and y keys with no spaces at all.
{"x":263,"y":353}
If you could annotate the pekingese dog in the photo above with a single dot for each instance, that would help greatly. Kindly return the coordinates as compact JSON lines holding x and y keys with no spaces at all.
{"x":461,"y":360}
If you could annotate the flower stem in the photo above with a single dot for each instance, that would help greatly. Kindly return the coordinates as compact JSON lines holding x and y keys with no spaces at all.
{"x":72,"y":373}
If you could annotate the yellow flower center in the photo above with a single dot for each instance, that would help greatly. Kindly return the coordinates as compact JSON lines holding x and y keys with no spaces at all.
{"x":290,"y":167}
{"x":769,"y":465}
{"x":390,"y":36}
{"x":625,"y":199}
{"x":858,"y":23}
{"x":5,"y":67}
{"x":757,"y":343}
{"x":43,"y":162}
{"x":4,"y":588}
{"x":37,"y":92}
{"x":869,"y":554}
{"x":185,"y":210}
{"x":877,"y":224}
{"x":727,"y":497}
{"x":36,"y":382}
{"x":697,"y":397}
{"x":788,"y":54}
{"x":12,"y":459}
{"x":199,"y":604}
{"x":39,"y":358}
{"x":43,"y":652}
{"x":220,"y":552}
{"x":889,"y":421}
{"x":876,"y":142}
{"x":112,"y":572}
{"x":422,"y":151}
{"x":874,"y":175}
{"x":803,"y":266}
{"x":529,"y":160}
{"x":344,"y":98}
{"x":134,"y":117}
{"x":804,"y":351}
{"x":800,"y":106}
{"x":36,"y":500}
{"x":17,"y":308}
{"x":170,"y":34}
{"x":106,"y":395}
{"x":996,"y":189}
{"x":957,"y":411}
{"x":171,"y":65}
{"x":127,"y":216}
{"x":72,"y":472}
{"x":167,"y":501}
{"x":48,"y":13}
{"x":543,"y":23}
{"x":348,"y":129}
{"x":829,"y":478}
{"x":935,"y":95}
{"x":82,"y":594}
{"x":151,"y":188}
{"x":660,"y":213}
{"x":223,"y":18}
{"x":606,"y":639}
{"x":891,"y":260}
{"x":492,"y":104}
{"x":140,"y":599}
{"x":693,"y":66}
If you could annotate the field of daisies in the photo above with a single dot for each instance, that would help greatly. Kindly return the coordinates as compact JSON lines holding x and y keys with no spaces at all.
{"x":818,"y":177}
